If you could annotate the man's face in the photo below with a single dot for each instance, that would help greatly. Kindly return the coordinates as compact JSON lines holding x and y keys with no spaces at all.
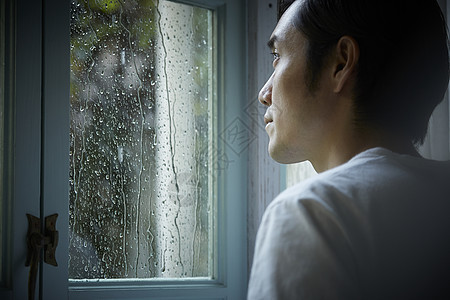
{"x":297,"y":120}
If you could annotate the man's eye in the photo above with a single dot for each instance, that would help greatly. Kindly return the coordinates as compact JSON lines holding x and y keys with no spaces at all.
{"x":275,"y":55}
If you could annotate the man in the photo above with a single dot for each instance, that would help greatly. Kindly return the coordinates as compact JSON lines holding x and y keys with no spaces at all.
{"x":353,"y":87}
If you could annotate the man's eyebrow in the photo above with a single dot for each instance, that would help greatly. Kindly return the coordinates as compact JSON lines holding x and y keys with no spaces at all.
{"x":271,"y":42}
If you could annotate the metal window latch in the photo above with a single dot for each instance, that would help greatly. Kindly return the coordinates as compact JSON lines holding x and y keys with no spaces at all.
{"x":37,"y":240}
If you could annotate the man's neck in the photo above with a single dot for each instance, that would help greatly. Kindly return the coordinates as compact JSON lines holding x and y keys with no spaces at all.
{"x":345,"y":148}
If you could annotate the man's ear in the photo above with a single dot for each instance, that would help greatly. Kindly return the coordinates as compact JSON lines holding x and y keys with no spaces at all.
{"x":345,"y":62}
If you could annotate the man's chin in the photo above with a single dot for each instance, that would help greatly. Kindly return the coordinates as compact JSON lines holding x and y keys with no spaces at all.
{"x":278,"y":155}
{"x":283,"y":157}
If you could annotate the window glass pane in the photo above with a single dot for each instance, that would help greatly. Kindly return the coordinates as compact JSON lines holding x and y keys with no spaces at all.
{"x":298,"y":172}
{"x":142,"y":127}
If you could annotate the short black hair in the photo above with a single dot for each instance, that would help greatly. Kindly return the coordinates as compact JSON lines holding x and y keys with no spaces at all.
{"x":403,"y":69}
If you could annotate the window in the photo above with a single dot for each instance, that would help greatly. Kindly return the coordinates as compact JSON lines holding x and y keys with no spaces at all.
{"x":298,"y":172}
{"x":142,"y":178}
{"x":44,"y":143}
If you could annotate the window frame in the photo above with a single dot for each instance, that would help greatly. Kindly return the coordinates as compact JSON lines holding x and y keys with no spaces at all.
{"x":39,"y":183}
{"x":231,"y":62}
{"x":7,"y":75}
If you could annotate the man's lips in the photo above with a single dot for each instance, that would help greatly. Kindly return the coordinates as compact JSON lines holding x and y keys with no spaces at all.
{"x":267,"y":119}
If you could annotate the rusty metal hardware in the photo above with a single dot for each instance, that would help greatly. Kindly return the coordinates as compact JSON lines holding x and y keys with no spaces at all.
{"x":36,"y":240}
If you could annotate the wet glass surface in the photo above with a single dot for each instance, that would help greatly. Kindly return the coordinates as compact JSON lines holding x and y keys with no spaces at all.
{"x":141,"y":177}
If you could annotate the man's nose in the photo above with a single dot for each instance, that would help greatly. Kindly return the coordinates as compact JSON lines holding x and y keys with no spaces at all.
{"x":265,"y":94}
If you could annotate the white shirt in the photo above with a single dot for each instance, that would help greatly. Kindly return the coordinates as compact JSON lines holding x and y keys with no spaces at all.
{"x":376,"y":227}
